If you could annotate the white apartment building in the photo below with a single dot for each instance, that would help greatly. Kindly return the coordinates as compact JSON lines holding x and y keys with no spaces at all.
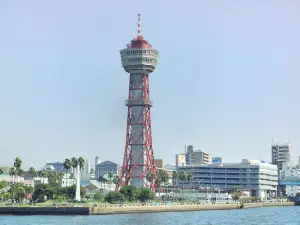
{"x":280,"y":155}
{"x":259,"y":179}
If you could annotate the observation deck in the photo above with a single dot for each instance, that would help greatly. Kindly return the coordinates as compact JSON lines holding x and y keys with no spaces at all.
{"x":134,"y":59}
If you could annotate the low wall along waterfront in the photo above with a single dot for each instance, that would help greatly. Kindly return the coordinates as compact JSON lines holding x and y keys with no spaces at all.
{"x":44,"y":211}
{"x":126,"y":209}
{"x":111,"y":209}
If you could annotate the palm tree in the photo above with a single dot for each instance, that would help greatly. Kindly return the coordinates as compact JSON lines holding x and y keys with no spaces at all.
{"x":182,"y":177}
{"x":162,"y":178}
{"x":100,"y":179}
{"x":110,"y":178}
{"x":150,"y":176}
{"x":67,"y":166}
{"x":116,"y":179}
{"x":17,"y":163}
{"x":189,"y":176}
{"x":81,"y":163}
{"x":12,"y":172}
{"x":174,"y":177}
{"x":43,"y":174}
{"x":32,"y":172}
{"x":104,"y":180}
{"x":74,"y":164}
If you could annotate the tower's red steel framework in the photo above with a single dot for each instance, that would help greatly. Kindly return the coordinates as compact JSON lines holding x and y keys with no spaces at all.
{"x":139,"y":59}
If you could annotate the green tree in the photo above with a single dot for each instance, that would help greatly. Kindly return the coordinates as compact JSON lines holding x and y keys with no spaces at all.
{"x":67,"y":167}
{"x":98,"y":196}
{"x":3,"y":184}
{"x":145,"y":194}
{"x":110,"y":177}
{"x":74,"y":163}
{"x":150,"y":176}
{"x":174,"y":180}
{"x":116,"y":180}
{"x":235,"y":196}
{"x":32,"y":172}
{"x":161,"y":179}
{"x":18,"y":163}
{"x":81,"y":163}
{"x":43,"y":174}
{"x":130,"y":192}
{"x":114,"y":197}
{"x":182,"y":176}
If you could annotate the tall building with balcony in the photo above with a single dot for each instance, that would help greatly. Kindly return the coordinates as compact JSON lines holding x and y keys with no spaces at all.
{"x":281,"y":155}
{"x":252,"y":176}
{"x":196,"y":157}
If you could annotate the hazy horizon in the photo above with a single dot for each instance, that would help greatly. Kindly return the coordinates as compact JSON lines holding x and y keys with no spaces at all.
{"x":226,"y":81}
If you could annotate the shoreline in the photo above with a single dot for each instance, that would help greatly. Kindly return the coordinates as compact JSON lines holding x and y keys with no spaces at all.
{"x":131,"y":209}
{"x":114,"y":210}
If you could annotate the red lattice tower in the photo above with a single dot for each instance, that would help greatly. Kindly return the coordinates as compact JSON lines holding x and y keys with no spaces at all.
{"x":139,"y":59}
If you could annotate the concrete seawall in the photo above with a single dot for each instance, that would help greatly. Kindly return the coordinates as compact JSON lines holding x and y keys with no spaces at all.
{"x":128,"y":209}
{"x":109,"y":210}
{"x":44,"y":211}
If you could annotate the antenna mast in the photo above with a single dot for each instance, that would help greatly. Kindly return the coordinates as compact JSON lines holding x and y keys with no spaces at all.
{"x":139,"y":26}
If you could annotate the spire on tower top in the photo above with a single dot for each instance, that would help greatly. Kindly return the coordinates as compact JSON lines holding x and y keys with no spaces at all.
{"x":139,"y":26}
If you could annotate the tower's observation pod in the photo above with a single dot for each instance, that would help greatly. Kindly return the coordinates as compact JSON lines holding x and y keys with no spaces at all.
{"x":139,"y":59}
{"x":135,"y":59}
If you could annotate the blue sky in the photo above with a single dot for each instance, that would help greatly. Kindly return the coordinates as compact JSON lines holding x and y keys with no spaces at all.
{"x":227,"y":80}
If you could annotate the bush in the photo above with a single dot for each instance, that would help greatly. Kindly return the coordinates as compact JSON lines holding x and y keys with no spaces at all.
{"x":98,"y":196}
{"x":115,"y":197}
{"x":130,"y":192}
{"x":145,"y":194}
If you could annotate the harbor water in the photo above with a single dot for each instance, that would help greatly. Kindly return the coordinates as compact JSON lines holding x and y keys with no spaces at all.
{"x":288,"y":215}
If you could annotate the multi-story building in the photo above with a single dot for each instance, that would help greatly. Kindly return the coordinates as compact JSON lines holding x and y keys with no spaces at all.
{"x":159,"y":163}
{"x":290,"y":181}
{"x":259,"y":179}
{"x":281,"y":155}
{"x":106,"y":168}
{"x":196,"y":157}
{"x":180,"y":159}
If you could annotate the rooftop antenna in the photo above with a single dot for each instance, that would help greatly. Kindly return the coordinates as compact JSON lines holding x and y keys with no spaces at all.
{"x":139,"y":26}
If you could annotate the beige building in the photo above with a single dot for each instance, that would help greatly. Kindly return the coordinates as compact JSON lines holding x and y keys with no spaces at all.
{"x":159,"y":163}
{"x":196,"y":157}
{"x":180,"y":159}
